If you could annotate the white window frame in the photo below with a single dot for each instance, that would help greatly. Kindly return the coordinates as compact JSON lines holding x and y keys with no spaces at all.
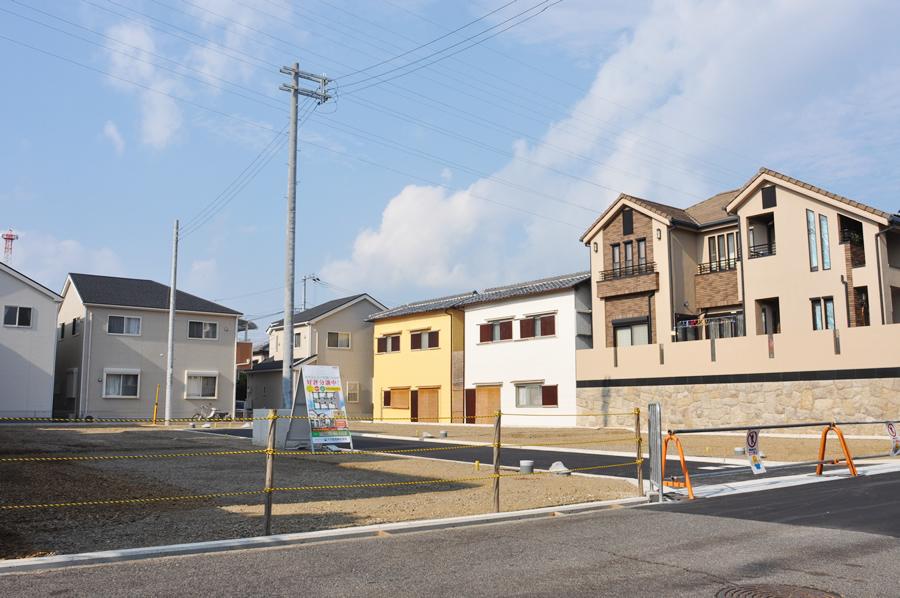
{"x":348,"y":392}
{"x":119,"y":371}
{"x":18,"y":308}
{"x":540,"y":386}
{"x":203,"y":324}
{"x":339,"y":333}
{"x":125,"y":318}
{"x":201,"y":374}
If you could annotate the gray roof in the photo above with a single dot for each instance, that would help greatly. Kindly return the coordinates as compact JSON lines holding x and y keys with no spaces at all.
{"x":301,"y":316}
{"x":511,"y":291}
{"x":272,"y":365}
{"x":140,"y":293}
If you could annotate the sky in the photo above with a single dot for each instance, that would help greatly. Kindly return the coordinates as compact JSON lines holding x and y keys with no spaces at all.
{"x":466,"y":144}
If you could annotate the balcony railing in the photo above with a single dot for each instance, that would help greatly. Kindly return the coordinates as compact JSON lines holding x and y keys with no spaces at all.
{"x":705,"y":328}
{"x":628,"y":270}
{"x":718,"y":265}
{"x":762,"y":250}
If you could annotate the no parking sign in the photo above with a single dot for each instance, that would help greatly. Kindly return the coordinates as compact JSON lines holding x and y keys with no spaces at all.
{"x":752,"y":449}
{"x":895,"y":441}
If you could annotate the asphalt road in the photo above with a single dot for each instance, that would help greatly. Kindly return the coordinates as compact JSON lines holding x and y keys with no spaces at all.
{"x":625,"y":552}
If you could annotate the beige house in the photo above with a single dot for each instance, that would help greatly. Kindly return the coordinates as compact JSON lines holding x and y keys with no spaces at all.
{"x":778,"y":280}
{"x":334,"y":333}
{"x":112,"y":344}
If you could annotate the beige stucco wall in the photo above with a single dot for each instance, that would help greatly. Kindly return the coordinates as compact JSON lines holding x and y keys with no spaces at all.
{"x":69,"y":353}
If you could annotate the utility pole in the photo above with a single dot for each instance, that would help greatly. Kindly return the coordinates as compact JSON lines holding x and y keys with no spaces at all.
{"x":321,"y":96}
{"x":170,"y":354}
{"x":313,"y":278}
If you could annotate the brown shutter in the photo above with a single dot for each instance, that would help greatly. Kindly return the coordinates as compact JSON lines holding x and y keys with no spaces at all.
{"x":433,"y":339}
{"x":382,"y":344}
{"x":549,"y":396}
{"x":506,"y":330}
{"x":526,"y":328}
{"x":386,"y":397}
{"x":415,"y":340}
{"x":548,"y":325}
{"x":485,"y":333}
{"x":395,"y":343}
{"x":414,"y":406}
{"x":470,"y":406}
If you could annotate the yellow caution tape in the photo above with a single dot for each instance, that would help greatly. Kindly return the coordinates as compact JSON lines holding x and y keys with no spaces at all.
{"x":148,"y":456}
{"x":127,"y":501}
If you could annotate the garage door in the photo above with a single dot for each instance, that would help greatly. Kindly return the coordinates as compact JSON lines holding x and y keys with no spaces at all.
{"x":487,"y":404}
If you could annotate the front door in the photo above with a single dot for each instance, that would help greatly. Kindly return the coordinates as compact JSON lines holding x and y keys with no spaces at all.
{"x":487,"y":404}
{"x":428,"y":404}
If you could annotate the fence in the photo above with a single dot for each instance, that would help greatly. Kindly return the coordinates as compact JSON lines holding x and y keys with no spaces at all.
{"x":343,"y":472}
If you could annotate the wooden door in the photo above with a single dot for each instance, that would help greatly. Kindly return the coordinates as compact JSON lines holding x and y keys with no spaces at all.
{"x":428,"y":404}
{"x":487,"y":404}
{"x":470,"y":406}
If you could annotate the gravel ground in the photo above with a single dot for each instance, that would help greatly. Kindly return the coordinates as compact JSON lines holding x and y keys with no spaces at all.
{"x":776,"y":448}
{"x":35,"y":532}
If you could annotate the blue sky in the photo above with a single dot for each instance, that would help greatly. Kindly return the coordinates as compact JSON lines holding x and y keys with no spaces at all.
{"x":119,"y":116}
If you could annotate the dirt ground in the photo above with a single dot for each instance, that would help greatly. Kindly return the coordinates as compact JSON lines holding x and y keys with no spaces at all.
{"x":775,"y":447}
{"x":34,"y":532}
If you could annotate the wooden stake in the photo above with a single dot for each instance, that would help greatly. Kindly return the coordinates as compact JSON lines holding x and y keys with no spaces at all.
{"x":270,"y":471}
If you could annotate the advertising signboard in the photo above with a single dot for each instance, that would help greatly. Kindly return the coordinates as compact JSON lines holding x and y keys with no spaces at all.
{"x":319,"y":410}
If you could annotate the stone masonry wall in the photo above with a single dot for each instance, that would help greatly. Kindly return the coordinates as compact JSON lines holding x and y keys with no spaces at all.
{"x":708,"y":405}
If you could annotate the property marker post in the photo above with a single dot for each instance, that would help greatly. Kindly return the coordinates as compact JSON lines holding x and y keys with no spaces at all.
{"x":270,"y":471}
{"x":497,"y":463}
{"x":639,"y":450}
{"x":156,"y":404}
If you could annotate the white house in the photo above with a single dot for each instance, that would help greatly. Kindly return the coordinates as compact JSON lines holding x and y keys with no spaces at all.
{"x":27,"y":345}
{"x":520,"y":343}
{"x":112,"y":345}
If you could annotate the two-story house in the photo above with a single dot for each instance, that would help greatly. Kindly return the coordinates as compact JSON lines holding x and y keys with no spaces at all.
{"x":27,"y":345}
{"x":333,"y":333}
{"x":112,"y":347}
{"x":520,"y":350}
{"x":776,"y":281}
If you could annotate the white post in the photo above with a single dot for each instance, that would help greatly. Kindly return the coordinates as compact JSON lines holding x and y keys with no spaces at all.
{"x":288,"y":338}
{"x":170,"y":355}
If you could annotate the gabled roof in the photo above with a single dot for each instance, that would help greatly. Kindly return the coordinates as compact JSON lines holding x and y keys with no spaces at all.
{"x":140,"y":293}
{"x":29,"y":282}
{"x":420,"y":307}
{"x":532,"y":287}
{"x":791,"y":180}
{"x":712,"y":209}
{"x":274,"y":365}
{"x":314,"y":313}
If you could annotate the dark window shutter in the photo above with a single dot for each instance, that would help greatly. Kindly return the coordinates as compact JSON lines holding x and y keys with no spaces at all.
{"x":549,"y":396}
{"x":395,"y":343}
{"x":382,"y":344}
{"x":414,"y":405}
{"x":485,"y":334}
{"x":433,"y":339}
{"x":387,"y":398}
{"x":548,"y":325}
{"x":470,"y":406}
{"x":768,"y":197}
{"x":415,"y":340}
{"x":526,"y":328}
{"x":506,"y":330}
{"x":627,"y":222}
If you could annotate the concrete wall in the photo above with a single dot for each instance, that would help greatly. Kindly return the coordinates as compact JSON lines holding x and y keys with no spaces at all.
{"x":548,"y":360}
{"x":147,"y":354}
{"x":27,"y":354}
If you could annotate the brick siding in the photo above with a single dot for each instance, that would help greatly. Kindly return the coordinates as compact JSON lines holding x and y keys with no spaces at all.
{"x":716,"y":289}
{"x":630,"y":306}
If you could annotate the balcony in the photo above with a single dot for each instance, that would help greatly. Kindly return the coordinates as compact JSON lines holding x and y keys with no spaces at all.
{"x":703,"y":328}
{"x":718,"y":265}
{"x":627,"y":280}
{"x":761,"y":250}
{"x":716,"y":284}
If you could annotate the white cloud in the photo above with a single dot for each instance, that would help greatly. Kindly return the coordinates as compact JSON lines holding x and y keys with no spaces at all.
{"x":48,"y":259}
{"x":446,"y":174}
{"x":111,"y":132}
{"x":202,"y":278}
{"x":693,"y":99}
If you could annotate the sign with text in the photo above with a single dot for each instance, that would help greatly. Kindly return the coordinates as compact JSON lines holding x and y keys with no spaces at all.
{"x":752,"y":449}
{"x":895,"y":441}
{"x":319,"y":409}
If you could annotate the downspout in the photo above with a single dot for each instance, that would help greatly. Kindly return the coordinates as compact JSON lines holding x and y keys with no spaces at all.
{"x":846,"y":297}
{"x":85,"y":375}
{"x":671,"y":286}
{"x":650,"y":317}
{"x":880,"y":273}
{"x":743,"y":288}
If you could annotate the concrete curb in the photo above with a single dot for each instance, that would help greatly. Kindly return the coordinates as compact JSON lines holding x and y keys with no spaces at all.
{"x":8,"y":567}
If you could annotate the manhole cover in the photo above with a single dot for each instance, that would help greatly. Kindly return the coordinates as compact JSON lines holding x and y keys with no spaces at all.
{"x":773,"y":591}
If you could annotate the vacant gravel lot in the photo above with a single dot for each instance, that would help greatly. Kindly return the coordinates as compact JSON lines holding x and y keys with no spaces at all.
{"x":77,"y":529}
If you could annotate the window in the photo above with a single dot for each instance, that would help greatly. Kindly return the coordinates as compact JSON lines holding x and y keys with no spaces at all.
{"x":811,"y":239}
{"x":535,"y":326}
{"x":536,"y":395}
{"x":768,"y":197}
{"x":424,"y":339}
{"x":203,"y":330}
{"x":396,"y":398}
{"x":121,"y":384}
{"x":62,"y":330}
{"x":389,"y":343}
{"x":123,"y":325}
{"x":629,"y":257}
{"x":616,"y":257}
{"x":14,"y":315}
{"x":352,"y":392}
{"x":627,"y":221}
{"x":201,"y":385}
{"x":823,"y":313}
{"x":826,"y":243}
{"x":642,"y":252}
{"x":298,"y":338}
{"x":500,"y":330}
{"x":628,"y":334}
{"x":732,"y":251}
{"x":713,"y":254}
{"x":74,"y":326}
{"x":338,"y":340}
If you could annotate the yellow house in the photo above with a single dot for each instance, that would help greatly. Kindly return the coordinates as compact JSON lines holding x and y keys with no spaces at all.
{"x":418,"y":373}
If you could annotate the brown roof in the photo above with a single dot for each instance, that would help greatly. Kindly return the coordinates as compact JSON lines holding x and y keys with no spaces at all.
{"x":814,"y":189}
{"x":712,"y":209}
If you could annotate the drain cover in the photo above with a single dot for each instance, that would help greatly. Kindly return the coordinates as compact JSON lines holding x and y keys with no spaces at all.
{"x":773,"y":591}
